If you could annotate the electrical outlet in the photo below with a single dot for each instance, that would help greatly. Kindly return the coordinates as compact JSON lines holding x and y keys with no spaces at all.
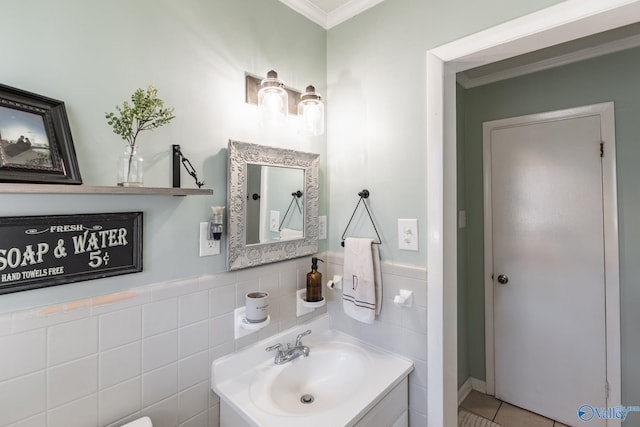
{"x":408,"y":234}
{"x":274,"y":221}
{"x":322,"y":227}
{"x":208,"y":247}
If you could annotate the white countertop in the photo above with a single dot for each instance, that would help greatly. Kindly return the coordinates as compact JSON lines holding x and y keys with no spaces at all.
{"x":232,"y":376}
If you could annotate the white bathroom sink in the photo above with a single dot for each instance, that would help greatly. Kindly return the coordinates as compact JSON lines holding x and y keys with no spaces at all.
{"x":340,"y":380}
{"x":327,"y":378}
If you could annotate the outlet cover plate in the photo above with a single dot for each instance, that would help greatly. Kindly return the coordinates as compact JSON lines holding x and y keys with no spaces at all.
{"x":408,"y":234}
{"x":208,"y":247}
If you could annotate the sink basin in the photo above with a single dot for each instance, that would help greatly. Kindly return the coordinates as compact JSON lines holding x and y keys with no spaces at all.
{"x":338,"y":384}
{"x":325,"y":379}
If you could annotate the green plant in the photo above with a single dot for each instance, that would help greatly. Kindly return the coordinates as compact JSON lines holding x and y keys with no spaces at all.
{"x":145,"y":112}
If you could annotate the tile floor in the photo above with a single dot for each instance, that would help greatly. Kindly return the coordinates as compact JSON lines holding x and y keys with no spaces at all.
{"x":503,"y":413}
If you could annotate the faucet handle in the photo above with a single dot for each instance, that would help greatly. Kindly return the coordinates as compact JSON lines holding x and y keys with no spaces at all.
{"x":274,"y":347}
{"x":299,"y":337}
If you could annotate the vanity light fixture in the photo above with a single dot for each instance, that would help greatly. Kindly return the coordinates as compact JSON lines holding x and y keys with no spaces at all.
{"x":252,"y":86}
{"x":311,"y":112}
{"x":273,"y":101}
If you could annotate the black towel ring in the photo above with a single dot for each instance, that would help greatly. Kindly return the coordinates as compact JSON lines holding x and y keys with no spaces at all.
{"x":364,"y":194}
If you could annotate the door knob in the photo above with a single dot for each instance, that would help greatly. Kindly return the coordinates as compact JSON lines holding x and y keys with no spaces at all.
{"x":503,"y":279}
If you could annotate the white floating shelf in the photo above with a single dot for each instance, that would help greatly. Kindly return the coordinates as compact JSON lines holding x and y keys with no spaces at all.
{"x":242,"y":327}
{"x":303,"y":306}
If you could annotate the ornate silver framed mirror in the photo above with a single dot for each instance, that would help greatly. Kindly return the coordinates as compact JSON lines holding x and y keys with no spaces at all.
{"x":272,"y":197}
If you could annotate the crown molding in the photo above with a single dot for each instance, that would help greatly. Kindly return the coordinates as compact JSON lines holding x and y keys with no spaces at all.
{"x":468,"y":82}
{"x":348,"y":11}
{"x":333,"y":18}
{"x":308,"y":9}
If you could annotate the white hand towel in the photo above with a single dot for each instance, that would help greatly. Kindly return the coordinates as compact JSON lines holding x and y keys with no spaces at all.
{"x":362,"y":280}
{"x":290,"y":234}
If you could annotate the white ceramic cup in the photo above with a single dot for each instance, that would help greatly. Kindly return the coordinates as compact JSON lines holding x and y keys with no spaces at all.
{"x":257,"y":306}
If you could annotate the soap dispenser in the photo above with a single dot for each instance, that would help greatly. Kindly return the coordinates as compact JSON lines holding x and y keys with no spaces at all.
{"x":314,"y":282}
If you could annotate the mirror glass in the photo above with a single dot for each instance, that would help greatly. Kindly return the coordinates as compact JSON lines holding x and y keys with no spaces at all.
{"x":273,"y":204}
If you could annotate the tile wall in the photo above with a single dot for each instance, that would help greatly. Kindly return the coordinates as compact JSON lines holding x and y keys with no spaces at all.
{"x":107,"y":360}
{"x":110,"y":359}
{"x":401,"y":330}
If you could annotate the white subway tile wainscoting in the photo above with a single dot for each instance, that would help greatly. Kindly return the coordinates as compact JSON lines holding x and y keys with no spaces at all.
{"x":401,"y":330}
{"x":110,"y":359}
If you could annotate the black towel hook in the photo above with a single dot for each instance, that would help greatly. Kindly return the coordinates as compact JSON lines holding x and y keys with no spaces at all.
{"x":364,"y":194}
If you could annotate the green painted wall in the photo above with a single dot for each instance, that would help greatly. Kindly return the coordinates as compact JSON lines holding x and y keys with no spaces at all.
{"x":94,"y":54}
{"x":376,"y":109}
{"x":281,"y":182}
{"x":610,"y":78}
{"x":376,"y":119}
{"x":463,"y":336}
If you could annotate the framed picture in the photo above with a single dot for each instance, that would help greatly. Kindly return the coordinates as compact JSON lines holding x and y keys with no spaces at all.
{"x":35,"y":139}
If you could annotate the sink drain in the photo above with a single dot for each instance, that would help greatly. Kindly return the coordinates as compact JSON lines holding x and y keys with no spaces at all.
{"x":307,"y":399}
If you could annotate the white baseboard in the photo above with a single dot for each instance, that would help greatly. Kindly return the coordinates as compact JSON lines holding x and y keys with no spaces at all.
{"x":479,"y":385}
{"x":464,"y":390}
{"x":471,"y":384}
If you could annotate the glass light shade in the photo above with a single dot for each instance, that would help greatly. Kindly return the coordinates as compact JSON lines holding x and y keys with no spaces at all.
{"x":311,"y":112}
{"x":273,"y":101}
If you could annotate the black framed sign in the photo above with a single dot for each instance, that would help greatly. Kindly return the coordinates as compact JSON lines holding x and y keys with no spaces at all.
{"x":35,"y":139}
{"x":41,"y":251}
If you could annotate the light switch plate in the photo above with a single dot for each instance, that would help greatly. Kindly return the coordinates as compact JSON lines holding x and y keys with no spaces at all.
{"x":408,"y":234}
{"x":462,"y":219}
{"x":208,"y":247}
{"x":322,"y":227}
{"x":274,"y":221}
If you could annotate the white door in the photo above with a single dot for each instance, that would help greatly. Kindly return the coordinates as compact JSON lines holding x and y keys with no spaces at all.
{"x":545,"y":191}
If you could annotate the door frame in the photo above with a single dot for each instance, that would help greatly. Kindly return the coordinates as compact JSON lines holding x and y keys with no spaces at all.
{"x":565,"y":21}
{"x":610,"y":230}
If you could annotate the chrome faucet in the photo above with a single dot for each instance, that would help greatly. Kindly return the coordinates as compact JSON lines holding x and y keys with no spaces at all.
{"x":283,"y":356}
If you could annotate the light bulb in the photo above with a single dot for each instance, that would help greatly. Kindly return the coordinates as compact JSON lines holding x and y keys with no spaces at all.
{"x":273,"y":101}
{"x":311,"y":111}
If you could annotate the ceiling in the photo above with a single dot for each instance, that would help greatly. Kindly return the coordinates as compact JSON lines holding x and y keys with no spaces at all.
{"x":329,"y":13}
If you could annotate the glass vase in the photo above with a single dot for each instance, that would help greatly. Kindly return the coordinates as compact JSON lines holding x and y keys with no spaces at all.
{"x":130,"y":168}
